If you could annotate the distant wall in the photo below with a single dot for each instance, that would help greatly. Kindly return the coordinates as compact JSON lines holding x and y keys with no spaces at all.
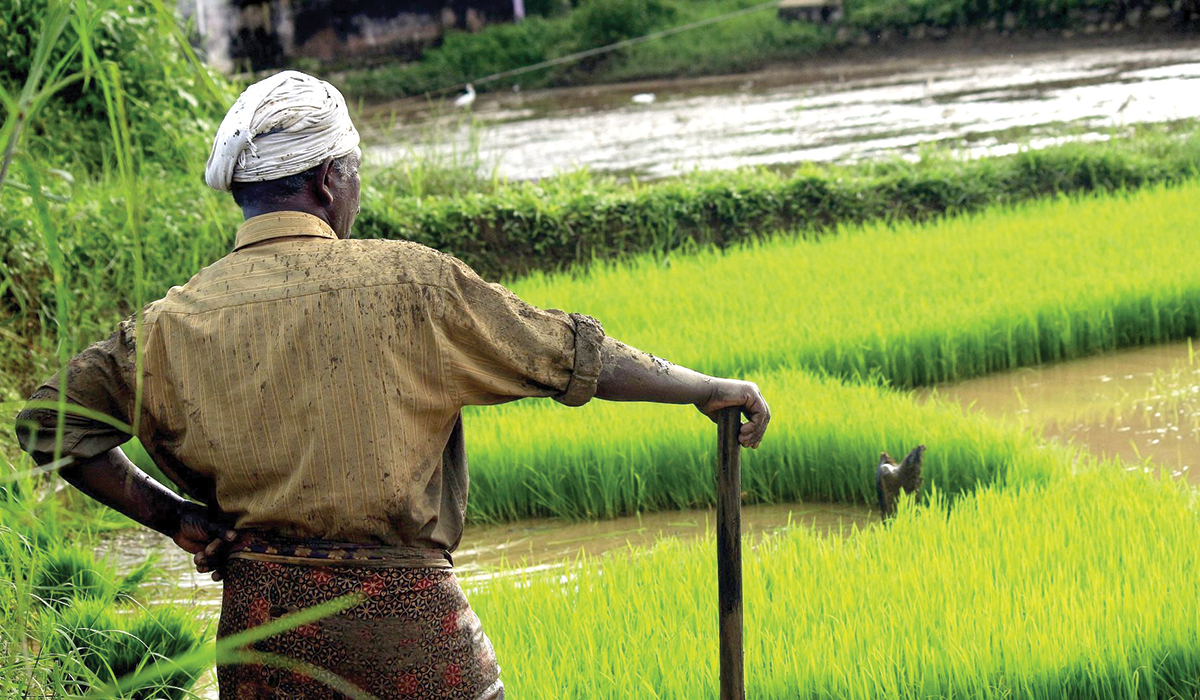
{"x":256,"y":34}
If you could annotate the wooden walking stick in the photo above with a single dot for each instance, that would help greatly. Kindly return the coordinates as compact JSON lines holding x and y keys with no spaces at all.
{"x":729,"y":552}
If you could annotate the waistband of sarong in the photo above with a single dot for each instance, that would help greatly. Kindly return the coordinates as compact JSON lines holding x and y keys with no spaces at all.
{"x":257,"y":546}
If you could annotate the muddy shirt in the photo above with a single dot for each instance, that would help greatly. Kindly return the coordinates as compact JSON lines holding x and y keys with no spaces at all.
{"x":317,"y":382}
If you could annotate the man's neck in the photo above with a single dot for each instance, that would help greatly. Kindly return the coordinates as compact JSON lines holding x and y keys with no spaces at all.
{"x":252,"y":210}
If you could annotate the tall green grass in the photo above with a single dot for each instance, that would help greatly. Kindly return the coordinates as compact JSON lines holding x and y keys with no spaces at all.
{"x":1082,"y":588}
{"x":70,"y":623}
{"x":914,"y":304}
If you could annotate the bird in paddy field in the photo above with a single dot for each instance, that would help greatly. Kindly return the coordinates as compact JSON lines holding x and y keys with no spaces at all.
{"x":467,"y":98}
{"x":891,"y":477}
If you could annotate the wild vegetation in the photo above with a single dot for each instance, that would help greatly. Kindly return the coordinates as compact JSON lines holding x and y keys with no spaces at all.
{"x":76,"y":72}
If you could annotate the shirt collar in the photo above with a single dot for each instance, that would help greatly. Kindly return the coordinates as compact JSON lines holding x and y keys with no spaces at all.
{"x":279,"y":224}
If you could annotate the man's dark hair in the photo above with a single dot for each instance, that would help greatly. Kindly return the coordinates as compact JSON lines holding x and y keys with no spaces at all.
{"x":275,"y":191}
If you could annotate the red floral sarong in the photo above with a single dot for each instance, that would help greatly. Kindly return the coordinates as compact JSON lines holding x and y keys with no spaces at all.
{"x":413,"y":635}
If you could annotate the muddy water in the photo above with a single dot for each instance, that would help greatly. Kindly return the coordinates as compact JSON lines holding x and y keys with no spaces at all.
{"x":488,"y":551}
{"x":1135,"y":405}
{"x":839,"y":112}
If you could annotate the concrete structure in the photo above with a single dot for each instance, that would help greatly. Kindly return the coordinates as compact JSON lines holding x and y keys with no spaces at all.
{"x":260,"y":34}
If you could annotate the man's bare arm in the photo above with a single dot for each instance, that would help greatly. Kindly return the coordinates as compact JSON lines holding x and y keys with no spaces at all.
{"x":628,"y":374}
{"x":115,"y":481}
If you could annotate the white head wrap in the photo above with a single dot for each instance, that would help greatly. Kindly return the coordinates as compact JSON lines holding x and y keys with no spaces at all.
{"x":280,"y":126}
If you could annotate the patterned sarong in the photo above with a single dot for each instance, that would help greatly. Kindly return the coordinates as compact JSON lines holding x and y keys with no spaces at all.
{"x":412,"y":635}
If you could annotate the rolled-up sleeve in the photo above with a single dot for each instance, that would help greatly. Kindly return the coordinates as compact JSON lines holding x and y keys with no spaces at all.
{"x":498,"y":348}
{"x":99,"y":379}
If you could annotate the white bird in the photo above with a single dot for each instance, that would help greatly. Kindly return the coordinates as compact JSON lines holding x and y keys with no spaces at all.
{"x":643,"y":98}
{"x":467,"y":98}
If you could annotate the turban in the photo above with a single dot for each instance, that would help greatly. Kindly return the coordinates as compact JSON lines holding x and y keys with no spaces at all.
{"x":280,"y":126}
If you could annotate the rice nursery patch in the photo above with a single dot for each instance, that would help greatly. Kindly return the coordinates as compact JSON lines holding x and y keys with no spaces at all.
{"x":606,"y":459}
{"x":913,"y":304}
{"x":903,"y":306}
{"x":69,"y":622}
{"x":1081,"y":587}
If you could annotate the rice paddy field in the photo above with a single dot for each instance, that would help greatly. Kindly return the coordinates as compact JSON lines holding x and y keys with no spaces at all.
{"x":1030,"y":570}
{"x":832,"y":331}
{"x":1081,"y":588}
{"x":913,"y":304}
{"x":1027,"y":570}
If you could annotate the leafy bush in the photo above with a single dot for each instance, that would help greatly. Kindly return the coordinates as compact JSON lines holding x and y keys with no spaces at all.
{"x":603,"y":22}
{"x":1038,"y":14}
{"x":464,"y":56}
{"x":171,"y":113}
{"x":184,"y":227}
{"x":749,"y":42}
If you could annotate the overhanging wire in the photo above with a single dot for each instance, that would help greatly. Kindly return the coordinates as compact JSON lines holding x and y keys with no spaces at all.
{"x":570,"y":58}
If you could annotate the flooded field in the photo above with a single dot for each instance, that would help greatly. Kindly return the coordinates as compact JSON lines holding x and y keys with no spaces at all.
{"x":837,"y":112}
{"x":530,"y":545}
{"x":1134,"y":405}
{"x":1137,"y":405}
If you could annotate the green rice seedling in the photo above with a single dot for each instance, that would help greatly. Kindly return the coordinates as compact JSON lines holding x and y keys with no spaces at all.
{"x":67,"y":574}
{"x":608,"y":459}
{"x":1082,"y":587}
{"x":917,"y":304}
{"x":67,"y":620}
{"x":104,"y":646}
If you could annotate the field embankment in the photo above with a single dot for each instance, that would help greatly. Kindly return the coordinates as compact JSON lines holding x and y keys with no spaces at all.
{"x":906,"y":305}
